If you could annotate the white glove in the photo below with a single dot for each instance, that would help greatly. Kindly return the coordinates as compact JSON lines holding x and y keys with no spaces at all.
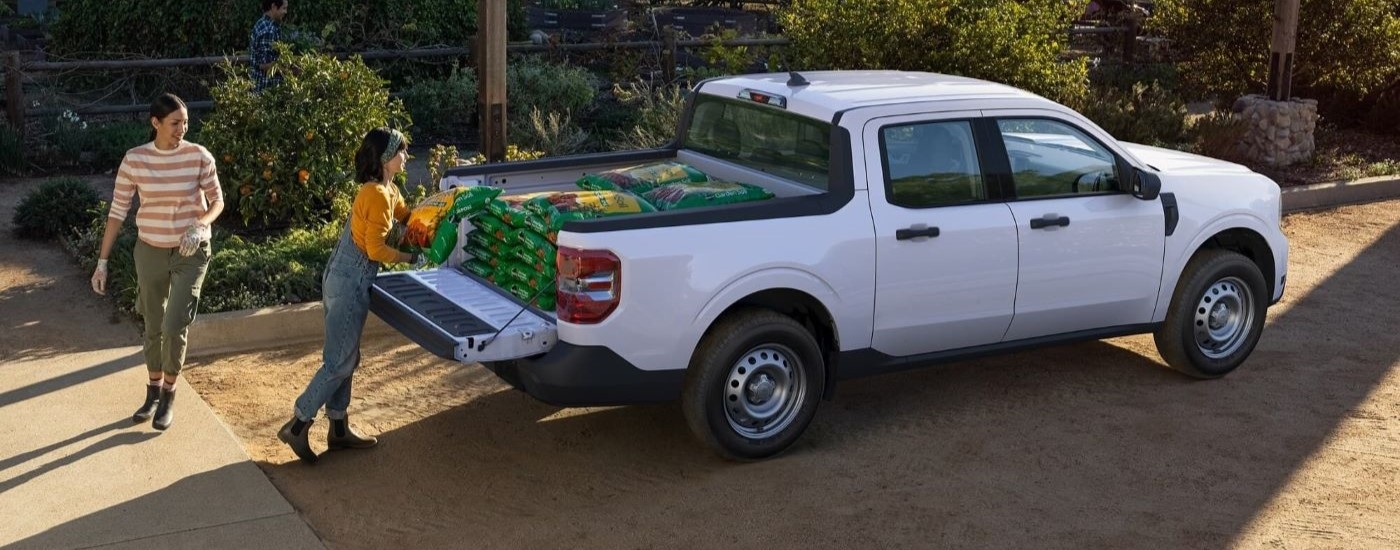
{"x":99,"y":277}
{"x":194,"y":235}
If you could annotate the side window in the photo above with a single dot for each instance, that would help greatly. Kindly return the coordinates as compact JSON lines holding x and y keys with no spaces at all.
{"x":1051,"y":158}
{"x":931,"y":164}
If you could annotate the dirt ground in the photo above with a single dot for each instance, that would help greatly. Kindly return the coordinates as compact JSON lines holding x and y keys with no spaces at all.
{"x":1093,"y":445}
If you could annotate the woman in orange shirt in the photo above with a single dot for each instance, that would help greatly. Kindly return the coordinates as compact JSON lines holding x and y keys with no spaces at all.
{"x":364,"y":246}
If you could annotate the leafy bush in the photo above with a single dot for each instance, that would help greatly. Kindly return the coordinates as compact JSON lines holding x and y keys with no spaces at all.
{"x":285,"y":269}
{"x":287,"y":153}
{"x":1147,"y":113}
{"x":658,"y":114}
{"x":57,"y":208}
{"x":12,"y":161}
{"x":1015,"y":42}
{"x":549,"y":87}
{"x":439,"y":105}
{"x":1346,"y":49}
{"x":554,"y":134}
{"x":513,"y":153}
{"x":1219,"y":135}
{"x":103,"y":28}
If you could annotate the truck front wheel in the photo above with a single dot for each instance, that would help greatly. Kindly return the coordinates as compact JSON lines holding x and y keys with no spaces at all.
{"x":753,"y":385}
{"x":1216,"y":316}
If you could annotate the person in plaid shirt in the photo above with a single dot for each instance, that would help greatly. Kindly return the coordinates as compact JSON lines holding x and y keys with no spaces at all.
{"x":267,"y":31}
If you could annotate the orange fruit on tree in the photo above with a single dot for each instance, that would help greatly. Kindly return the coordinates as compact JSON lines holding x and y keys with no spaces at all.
{"x":303,"y":175}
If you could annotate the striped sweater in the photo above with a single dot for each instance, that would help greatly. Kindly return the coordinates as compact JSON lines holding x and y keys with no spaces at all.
{"x":176,"y":188}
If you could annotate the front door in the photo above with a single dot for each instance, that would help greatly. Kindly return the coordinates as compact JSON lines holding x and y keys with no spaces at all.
{"x":946,"y":245}
{"x":1091,"y":254}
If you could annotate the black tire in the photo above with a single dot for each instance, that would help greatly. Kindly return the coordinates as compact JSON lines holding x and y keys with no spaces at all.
{"x":1217,"y":314}
{"x":749,"y":362}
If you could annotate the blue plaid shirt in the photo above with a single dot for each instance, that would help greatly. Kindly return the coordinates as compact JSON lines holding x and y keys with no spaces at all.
{"x":265,"y":33}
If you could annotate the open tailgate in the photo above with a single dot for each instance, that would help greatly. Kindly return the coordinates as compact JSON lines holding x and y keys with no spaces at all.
{"x":459,"y":316}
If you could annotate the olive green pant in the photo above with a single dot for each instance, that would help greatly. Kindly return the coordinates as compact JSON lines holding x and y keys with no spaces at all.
{"x":167,"y":298}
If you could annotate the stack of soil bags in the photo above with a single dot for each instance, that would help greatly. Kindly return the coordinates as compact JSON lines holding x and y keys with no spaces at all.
{"x":513,"y":243}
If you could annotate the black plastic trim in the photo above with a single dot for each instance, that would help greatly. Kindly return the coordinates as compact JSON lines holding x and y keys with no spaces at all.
{"x":868,"y":362}
{"x":407,"y":323}
{"x":555,"y":163}
{"x":996,"y":165}
{"x":1040,"y":223}
{"x":588,"y":376}
{"x":841,"y":191}
{"x":1171,"y":210}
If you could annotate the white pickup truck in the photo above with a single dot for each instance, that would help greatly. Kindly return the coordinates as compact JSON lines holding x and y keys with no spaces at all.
{"x":919,"y":219}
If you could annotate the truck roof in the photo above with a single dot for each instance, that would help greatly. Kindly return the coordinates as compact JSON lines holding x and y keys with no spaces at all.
{"x":830,"y":92}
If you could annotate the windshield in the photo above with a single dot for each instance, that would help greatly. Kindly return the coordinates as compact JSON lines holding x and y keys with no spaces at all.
{"x":761,"y":137}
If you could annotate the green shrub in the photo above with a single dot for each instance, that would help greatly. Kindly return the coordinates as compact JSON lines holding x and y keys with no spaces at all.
{"x":549,"y":87}
{"x":658,"y":114}
{"x":104,"y":28}
{"x":1218,"y":135}
{"x":57,"y":208}
{"x":86,"y":243}
{"x":12,"y":161}
{"x":1015,"y":42}
{"x":285,"y":269}
{"x":1346,"y":49}
{"x":440,"y":105}
{"x":287,"y":153}
{"x":554,"y":134}
{"x":1147,"y":113}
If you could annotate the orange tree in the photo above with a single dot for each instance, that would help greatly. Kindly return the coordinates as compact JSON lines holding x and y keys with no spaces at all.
{"x":286,"y":154}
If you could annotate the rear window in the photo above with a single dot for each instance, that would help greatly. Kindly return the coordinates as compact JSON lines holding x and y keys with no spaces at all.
{"x":762,"y":137}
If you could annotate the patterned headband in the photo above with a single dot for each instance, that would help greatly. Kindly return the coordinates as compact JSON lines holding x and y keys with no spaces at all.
{"x":395,"y":139}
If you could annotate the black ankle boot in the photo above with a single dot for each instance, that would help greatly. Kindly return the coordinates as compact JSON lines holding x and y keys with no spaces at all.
{"x":149,"y":407}
{"x":293,"y":433}
{"x":165,"y":411}
{"x":342,"y":436}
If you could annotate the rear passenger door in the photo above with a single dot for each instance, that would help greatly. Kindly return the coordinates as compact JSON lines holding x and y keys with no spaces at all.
{"x":945,"y":243}
{"x":1090,"y":253}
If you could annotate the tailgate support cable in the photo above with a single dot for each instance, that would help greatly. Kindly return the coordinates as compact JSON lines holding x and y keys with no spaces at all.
{"x":482,"y":347}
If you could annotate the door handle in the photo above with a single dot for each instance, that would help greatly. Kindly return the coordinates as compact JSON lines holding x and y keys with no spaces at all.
{"x":1050,"y":220}
{"x":915,"y":232}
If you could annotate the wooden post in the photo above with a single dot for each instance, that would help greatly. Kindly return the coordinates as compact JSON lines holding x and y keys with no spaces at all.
{"x":491,"y":74}
{"x":1284,"y":43}
{"x":1130,"y":36}
{"x":14,"y":93}
{"x":668,"y":58}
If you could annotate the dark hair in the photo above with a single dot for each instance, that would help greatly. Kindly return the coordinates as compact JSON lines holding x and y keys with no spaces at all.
{"x":268,"y":4}
{"x":368,"y":166}
{"x":162,"y":107}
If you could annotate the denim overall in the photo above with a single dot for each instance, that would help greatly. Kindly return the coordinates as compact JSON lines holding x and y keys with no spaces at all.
{"x":345,"y":299}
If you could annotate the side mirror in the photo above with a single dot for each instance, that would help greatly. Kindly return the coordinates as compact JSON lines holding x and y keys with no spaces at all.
{"x":1145,"y":185}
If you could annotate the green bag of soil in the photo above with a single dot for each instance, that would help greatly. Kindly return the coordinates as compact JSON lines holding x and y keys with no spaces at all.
{"x":443,"y":242}
{"x":479,"y":268}
{"x":539,"y":246}
{"x":511,"y":208}
{"x":485,"y":241}
{"x":585,"y":205}
{"x":522,"y":273}
{"x":494,"y":227}
{"x":642,"y":178}
{"x":472,"y":201}
{"x":542,"y":265}
{"x":676,"y":196}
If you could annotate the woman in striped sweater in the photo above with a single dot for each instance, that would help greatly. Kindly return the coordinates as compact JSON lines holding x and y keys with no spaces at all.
{"x":180,"y":197}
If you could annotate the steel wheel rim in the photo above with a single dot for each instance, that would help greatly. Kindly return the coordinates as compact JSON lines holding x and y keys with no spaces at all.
{"x":1223,"y":317}
{"x":764,"y":390}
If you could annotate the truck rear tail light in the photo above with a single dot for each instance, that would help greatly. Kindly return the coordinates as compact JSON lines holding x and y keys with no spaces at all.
{"x":590,"y":285}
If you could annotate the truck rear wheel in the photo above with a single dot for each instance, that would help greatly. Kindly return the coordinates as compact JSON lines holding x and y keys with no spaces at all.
{"x":753,"y":385}
{"x":1216,"y":316}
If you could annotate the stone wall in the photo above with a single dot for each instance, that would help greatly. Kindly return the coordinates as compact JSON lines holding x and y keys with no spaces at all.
{"x":1277,"y":133}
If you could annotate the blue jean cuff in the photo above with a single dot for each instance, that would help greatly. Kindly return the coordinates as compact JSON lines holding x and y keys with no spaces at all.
{"x":335,"y":415}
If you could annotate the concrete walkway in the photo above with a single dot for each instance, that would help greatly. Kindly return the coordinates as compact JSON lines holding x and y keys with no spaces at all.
{"x":75,"y":472}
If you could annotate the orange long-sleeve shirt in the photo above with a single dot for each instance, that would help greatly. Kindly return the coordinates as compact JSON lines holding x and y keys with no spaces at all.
{"x":376,"y":208}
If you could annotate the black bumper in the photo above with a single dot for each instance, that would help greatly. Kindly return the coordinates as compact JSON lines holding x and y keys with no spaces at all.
{"x":588,"y":376}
